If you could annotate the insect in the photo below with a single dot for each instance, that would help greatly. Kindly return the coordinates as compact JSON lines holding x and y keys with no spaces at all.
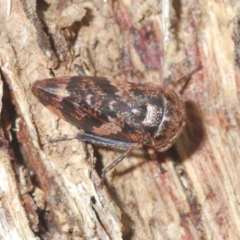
{"x":116,"y":113}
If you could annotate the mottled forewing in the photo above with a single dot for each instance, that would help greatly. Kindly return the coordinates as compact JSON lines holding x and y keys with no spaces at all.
{"x":104,"y":107}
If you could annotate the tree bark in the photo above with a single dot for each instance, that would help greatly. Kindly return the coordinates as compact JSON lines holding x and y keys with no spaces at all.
{"x":52,"y":191}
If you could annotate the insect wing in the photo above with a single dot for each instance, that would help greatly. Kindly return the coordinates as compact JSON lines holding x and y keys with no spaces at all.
{"x":113,"y":109}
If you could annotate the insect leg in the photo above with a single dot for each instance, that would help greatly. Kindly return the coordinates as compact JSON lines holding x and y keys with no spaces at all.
{"x":62,"y":138}
{"x":152,"y":153}
{"x":117,"y":161}
{"x":153,"y":156}
{"x":80,"y":70}
{"x":110,"y":143}
{"x":86,"y":137}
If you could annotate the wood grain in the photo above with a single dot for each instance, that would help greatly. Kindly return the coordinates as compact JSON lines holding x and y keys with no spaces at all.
{"x":51,"y":191}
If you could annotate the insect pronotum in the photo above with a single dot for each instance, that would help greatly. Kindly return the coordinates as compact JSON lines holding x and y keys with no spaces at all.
{"x":116,"y":113}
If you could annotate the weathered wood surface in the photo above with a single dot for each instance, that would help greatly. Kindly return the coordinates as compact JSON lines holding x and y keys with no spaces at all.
{"x":50,"y":191}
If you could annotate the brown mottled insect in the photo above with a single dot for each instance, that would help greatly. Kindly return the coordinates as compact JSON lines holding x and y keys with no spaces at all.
{"x":115,"y":113}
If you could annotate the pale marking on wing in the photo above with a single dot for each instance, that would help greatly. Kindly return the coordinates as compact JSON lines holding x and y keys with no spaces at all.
{"x":88,"y":99}
{"x":58,"y":91}
{"x":111,"y":105}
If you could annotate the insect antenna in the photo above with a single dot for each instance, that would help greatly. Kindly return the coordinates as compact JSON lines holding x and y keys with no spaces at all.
{"x":181,"y":84}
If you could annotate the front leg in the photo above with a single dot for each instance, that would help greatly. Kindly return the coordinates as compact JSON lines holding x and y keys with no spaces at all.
{"x":86,"y":137}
